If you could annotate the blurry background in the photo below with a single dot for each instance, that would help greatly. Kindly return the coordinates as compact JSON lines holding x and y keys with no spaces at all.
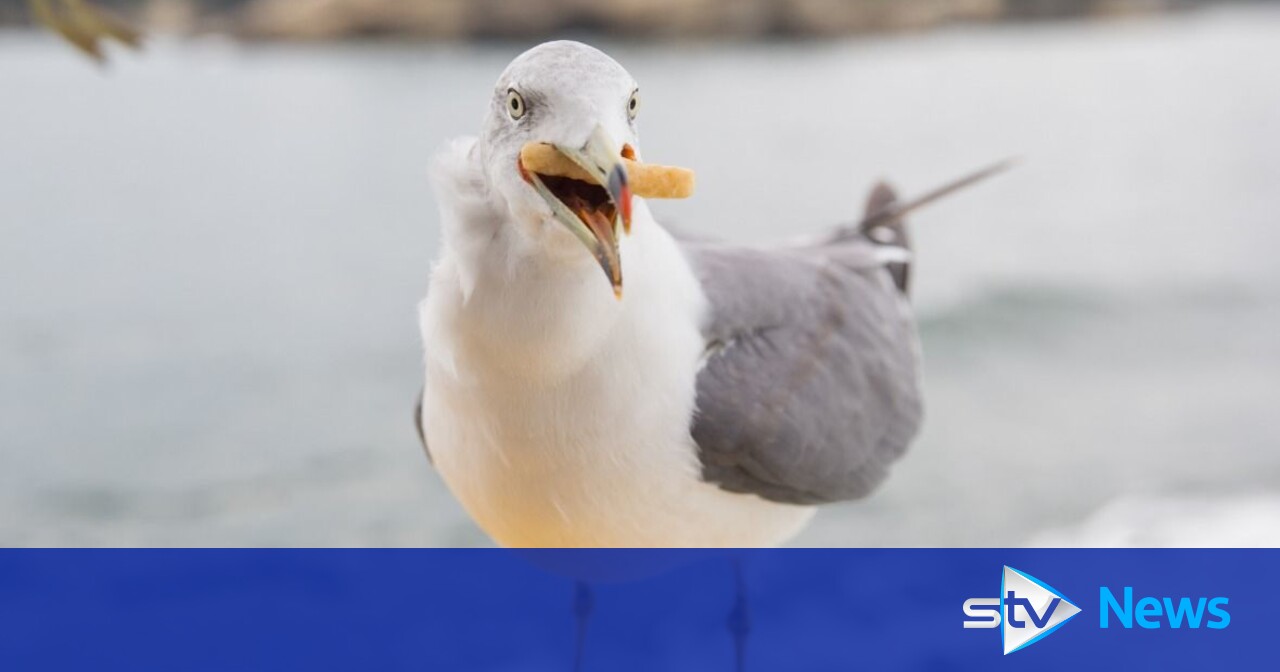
{"x":211,"y":252}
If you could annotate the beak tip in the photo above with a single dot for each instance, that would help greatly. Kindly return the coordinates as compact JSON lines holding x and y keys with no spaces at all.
{"x":620,"y":190}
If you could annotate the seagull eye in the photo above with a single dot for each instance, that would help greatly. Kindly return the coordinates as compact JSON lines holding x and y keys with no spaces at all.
{"x":515,"y":104}
{"x":633,"y":105}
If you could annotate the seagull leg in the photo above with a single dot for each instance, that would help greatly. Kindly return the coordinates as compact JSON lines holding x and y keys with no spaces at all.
{"x":739,"y":618}
{"x":584,"y":600}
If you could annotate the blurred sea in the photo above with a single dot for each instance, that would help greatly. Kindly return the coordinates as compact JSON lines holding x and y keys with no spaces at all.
{"x":212,"y":255}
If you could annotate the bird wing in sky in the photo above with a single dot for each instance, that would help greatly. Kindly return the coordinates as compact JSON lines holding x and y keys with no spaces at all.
{"x":85,"y":26}
{"x":810,"y":388}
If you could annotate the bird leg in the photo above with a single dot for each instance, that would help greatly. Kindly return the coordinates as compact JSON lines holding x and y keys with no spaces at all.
{"x":584,"y":601}
{"x":739,"y":618}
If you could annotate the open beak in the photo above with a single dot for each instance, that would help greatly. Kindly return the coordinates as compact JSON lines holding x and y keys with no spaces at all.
{"x":591,"y":209}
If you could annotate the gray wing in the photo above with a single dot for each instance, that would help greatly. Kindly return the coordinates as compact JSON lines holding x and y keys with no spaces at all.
{"x":810,"y":387}
{"x":417,"y":424}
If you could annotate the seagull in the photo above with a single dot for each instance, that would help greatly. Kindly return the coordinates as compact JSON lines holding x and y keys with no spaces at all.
{"x":700,"y":393}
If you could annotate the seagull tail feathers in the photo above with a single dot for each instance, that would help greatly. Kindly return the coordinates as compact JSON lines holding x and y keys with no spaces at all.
{"x":890,"y":233}
{"x":883,"y":221}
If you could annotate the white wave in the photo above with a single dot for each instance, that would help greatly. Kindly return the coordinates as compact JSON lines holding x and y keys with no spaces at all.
{"x":1201,"y":521}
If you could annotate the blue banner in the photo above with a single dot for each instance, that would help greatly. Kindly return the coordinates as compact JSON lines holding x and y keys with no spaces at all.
{"x":881,"y":609}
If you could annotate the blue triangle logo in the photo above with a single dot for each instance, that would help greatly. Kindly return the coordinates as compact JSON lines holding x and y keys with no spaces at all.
{"x":1030,"y":610}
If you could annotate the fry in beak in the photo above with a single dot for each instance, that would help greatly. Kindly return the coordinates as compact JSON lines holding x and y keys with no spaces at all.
{"x":647,"y":180}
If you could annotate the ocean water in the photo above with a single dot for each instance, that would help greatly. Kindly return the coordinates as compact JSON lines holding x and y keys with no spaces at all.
{"x":212,"y":255}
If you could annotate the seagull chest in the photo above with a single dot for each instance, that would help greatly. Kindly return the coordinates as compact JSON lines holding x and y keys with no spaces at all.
{"x":600,"y":455}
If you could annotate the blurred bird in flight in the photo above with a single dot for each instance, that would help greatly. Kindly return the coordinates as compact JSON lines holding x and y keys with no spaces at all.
{"x":85,"y":26}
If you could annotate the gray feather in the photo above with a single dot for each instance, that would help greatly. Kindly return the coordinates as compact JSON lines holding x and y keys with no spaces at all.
{"x":810,"y":388}
{"x":887,"y":231}
{"x":417,"y":423}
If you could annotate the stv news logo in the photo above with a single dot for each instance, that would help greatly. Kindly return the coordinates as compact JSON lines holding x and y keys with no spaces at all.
{"x":1028,"y":610}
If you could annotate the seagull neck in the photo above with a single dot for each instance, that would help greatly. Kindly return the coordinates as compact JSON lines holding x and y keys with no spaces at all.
{"x":539,"y":308}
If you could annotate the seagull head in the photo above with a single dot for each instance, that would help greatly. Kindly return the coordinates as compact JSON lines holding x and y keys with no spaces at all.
{"x":579,"y":101}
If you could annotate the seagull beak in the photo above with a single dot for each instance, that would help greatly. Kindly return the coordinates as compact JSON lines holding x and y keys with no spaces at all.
{"x":591,"y":210}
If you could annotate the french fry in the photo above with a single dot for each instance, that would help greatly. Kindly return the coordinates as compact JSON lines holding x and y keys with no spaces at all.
{"x":647,"y":180}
